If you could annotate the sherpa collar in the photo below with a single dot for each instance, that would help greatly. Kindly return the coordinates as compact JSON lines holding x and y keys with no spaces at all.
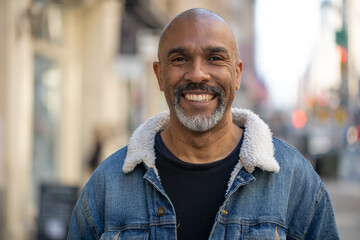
{"x":257,"y":149}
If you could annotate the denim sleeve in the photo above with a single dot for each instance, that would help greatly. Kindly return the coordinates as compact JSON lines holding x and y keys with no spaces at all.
{"x":322,"y":225}
{"x":87,"y":221}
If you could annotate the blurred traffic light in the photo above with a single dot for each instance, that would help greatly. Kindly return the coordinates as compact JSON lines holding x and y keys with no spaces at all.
{"x":343,"y":54}
{"x":353,"y":134}
{"x":299,"y":118}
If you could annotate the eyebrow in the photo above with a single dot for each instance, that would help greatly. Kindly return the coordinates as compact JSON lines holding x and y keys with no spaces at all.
{"x":216,"y":49}
{"x":176,"y":50}
{"x":209,"y":49}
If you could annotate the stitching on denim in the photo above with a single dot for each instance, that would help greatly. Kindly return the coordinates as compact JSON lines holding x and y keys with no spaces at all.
{"x":222,"y":219}
{"x":256,"y":223}
{"x":247,"y":223}
{"x":227,"y":212}
{"x":162,"y":220}
{"x":128,"y":226}
{"x":245,"y":230}
{"x":88,"y":217}
{"x":154,"y":192}
{"x":253,"y":222}
{"x":121,"y":229}
{"x":162,"y":223}
{"x":293,"y":235}
{"x":317,"y":200}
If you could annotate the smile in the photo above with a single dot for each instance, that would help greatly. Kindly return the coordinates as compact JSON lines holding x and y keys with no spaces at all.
{"x":199,"y":97}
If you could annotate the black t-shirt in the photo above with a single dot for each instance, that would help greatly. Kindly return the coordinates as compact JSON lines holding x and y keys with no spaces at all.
{"x":196,"y":190}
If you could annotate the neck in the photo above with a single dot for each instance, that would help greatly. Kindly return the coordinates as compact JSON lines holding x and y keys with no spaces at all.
{"x":202,"y":147}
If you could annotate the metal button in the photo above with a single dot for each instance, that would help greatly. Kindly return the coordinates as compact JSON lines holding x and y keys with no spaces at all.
{"x":161,"y":211}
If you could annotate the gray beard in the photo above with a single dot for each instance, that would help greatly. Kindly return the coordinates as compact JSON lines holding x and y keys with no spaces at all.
{"x":199,"y":122}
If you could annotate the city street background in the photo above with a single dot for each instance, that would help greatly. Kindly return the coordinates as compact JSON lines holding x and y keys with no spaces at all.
{"x":345,"y":197}
{"x":76,"y":80}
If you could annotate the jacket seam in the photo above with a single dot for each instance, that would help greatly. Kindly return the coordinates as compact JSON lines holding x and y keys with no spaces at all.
{"x":293,"y":235}
{"x":140,"y":225}
{"x":251,"y":222}
{"x":248,"y":223}
{"x":157,"y":223}
{"x":256,"y":222}
{"x":318,"y":197}
{"x":154,"y":194}
{"x":126,"y":227}
{"x":92,"y":225}
{"x":227,"y":208}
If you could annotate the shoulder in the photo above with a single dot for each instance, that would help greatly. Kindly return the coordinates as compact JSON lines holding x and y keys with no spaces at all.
{"x":110,"y":174}
{"x":114,"y":162}
{"x":295,"y":168}
{"x":108,"y":169}
{"x":289,"y":156}
{"x":296,"y":172}
{"x":305,"y":191}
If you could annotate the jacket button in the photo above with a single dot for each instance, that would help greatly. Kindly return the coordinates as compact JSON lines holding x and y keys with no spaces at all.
{"x":161,"y":211}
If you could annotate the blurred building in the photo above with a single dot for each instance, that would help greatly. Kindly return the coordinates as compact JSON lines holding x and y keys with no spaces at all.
{"x":330,"y":92}
{"x":350,"y":161}
{"x":76,"y":79}
{"x":57,"y":85}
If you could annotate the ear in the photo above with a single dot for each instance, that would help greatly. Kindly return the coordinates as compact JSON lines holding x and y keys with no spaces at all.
{"x":238,"y":71}
{"x":158,"y":73}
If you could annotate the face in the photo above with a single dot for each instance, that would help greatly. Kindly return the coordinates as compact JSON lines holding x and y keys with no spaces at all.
{"x":199,"y":71}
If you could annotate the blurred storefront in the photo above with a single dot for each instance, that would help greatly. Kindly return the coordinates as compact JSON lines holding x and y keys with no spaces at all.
{"x":56,"y":79}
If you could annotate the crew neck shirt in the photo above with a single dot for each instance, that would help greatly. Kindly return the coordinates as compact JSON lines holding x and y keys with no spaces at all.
{"x":196,"y":190}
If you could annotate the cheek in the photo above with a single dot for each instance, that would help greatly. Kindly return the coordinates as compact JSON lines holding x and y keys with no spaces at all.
{"x":172,"y":80}
{"x":169,"y":88}
{"x":226,"y":79}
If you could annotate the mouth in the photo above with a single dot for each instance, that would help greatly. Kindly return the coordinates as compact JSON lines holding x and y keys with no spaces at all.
{"x":198,"y":97}
{"x":198,"y":94}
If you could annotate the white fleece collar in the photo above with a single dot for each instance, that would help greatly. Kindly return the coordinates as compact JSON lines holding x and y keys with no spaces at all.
{"x":257,"y":149}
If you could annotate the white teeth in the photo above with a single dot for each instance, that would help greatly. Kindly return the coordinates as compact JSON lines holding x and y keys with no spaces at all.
{"x":199,"y":97}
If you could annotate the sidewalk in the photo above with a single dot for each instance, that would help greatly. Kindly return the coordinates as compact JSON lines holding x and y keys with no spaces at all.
{"x":345,"y":197}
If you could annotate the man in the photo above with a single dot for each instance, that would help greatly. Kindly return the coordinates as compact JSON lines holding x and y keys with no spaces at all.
{"x":203,"y":170}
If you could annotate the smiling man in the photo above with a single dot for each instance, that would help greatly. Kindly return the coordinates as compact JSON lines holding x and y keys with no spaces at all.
{"x":203,"y":170}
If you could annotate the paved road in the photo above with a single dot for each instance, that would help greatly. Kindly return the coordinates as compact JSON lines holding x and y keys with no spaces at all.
{"x":345,"y":197}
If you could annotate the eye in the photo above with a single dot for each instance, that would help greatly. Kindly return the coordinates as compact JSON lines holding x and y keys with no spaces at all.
{"x":216,"y":58}
{"x":178,"y":59}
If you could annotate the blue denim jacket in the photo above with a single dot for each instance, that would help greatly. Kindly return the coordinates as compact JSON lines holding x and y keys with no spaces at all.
{"x":273,"y":193}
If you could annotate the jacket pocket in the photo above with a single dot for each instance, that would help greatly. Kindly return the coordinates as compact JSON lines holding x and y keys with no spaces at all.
{"x":132,"y":234}
{"x":264,"y":231}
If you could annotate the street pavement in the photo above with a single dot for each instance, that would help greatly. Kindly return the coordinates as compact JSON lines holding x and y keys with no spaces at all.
{"x":345,"y":197}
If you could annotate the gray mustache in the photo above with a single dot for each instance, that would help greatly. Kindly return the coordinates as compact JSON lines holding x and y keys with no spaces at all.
{"x":198,"y":86}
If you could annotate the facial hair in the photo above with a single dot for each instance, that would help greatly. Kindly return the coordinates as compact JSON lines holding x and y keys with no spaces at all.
{"x":199,"y":122}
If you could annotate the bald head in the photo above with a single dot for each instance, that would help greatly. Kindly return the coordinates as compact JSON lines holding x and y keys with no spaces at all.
{"x":193,"y":13}
{"x":193,"y":16}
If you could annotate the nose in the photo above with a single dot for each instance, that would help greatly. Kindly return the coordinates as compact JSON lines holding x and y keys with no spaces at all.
{"x":197,"y":72}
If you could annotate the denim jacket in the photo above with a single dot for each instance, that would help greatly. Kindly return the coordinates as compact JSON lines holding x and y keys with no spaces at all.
{"x":273,"y":192}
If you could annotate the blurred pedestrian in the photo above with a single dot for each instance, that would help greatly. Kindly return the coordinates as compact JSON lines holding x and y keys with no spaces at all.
{"x":203,"y":170}
{"x":98,"y":145}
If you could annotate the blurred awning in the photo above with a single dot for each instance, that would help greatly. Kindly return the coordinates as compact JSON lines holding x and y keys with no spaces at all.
{"x":138,"y":15}
{"x":147,"y":12}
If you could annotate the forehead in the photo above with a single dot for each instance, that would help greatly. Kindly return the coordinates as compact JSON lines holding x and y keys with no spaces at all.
{"x":197,"y":34}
